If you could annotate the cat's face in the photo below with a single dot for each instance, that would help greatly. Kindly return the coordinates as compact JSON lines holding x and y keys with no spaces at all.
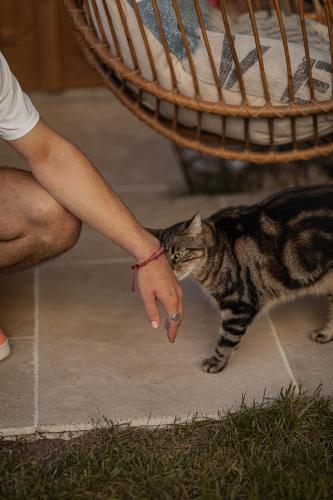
{"x":184,"y":245}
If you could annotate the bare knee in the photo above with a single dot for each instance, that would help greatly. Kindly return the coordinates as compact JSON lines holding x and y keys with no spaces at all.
{"x":58,"y":229}
{"x":34,"y":212}
{"x":34,"y":227}
{"x":54,"y":228}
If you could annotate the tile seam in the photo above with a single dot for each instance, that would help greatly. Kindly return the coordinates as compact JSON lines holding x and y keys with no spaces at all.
{"x":143,"y":188}
{"x":17,"y":431}
{"x":21,"y":337}
{"x":89,"y":262}
{"x":58,"y":429}
{"x":281,"y":350}
{"x":36,"y":347}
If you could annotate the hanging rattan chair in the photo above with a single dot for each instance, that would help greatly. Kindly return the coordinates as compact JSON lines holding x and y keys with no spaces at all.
{"x":242,"y":79}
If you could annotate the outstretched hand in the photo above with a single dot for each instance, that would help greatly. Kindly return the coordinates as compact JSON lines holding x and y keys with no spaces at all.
{"x":157,"y":282}
{"x":66,"y":174}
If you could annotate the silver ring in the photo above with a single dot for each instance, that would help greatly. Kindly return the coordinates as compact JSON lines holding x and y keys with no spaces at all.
{"x":175,"y":317}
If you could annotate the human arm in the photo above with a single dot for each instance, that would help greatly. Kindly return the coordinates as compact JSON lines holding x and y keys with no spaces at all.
{"x":73,"y":181}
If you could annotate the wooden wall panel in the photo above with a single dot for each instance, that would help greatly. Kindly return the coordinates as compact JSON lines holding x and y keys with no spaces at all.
{"x":37,"y":39}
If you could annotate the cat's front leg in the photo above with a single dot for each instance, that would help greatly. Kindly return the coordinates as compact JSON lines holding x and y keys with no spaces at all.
{"x":325,"y":334}
{"x":233,"y":327}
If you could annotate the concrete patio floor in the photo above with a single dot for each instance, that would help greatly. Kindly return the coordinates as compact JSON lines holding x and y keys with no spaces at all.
{"x":81,"y":345}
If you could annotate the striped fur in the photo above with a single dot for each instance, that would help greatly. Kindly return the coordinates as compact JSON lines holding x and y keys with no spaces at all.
{"x":247,"y":258}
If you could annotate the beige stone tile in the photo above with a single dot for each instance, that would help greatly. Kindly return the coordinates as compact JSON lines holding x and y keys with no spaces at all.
{"x":310,"y":362}
{"x":17,"y":303}
{"x":152,"y":210}
{"x":17,"y":386}
{"x":120,"y":146}
{"x":98,"y":353}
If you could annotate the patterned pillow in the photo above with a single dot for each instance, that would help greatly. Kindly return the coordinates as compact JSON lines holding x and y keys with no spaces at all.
{"x":271,"y":48}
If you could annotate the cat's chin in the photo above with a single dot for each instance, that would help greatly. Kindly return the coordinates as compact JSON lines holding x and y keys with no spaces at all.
{"x":182,"y":275}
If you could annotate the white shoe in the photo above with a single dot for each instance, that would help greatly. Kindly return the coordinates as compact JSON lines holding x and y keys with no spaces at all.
{"x":4,"y":346}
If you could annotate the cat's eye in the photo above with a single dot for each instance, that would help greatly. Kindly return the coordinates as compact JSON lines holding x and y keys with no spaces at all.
{"x":178,"y":254}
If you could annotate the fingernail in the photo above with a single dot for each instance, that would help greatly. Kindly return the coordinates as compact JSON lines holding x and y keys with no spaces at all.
{"x":154,"y":325}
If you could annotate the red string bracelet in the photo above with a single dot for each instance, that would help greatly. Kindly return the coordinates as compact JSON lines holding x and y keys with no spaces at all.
{"x":135,"y":267}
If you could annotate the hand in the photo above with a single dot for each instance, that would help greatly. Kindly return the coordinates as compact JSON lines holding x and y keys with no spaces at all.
{"x":156,"y":281}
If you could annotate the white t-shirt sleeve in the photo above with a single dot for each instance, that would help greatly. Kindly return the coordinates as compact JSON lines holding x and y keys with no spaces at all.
{"x":17,"y":113}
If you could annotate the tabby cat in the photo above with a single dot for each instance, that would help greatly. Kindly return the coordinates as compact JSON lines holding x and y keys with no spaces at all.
{"x":249,"y":257}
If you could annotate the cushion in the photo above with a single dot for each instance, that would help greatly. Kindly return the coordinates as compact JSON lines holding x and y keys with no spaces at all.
{"x":273,"y":56}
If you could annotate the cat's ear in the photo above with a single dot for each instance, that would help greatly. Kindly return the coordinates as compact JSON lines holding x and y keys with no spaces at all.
{"x":193,"y":227}
{"x":155,"y":232}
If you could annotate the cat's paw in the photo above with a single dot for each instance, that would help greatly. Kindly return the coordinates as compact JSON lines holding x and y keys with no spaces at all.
{"x":214,"y":364}
{"x":321,"y":337}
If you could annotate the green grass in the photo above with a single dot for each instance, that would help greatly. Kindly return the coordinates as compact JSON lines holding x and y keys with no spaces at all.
{"x":277,"y":449}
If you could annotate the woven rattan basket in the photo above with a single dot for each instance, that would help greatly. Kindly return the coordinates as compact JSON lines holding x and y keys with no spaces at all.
{"x":161,"y":106}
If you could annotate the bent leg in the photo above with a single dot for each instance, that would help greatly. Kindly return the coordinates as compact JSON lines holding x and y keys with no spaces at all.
{"x":34,"y":227}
